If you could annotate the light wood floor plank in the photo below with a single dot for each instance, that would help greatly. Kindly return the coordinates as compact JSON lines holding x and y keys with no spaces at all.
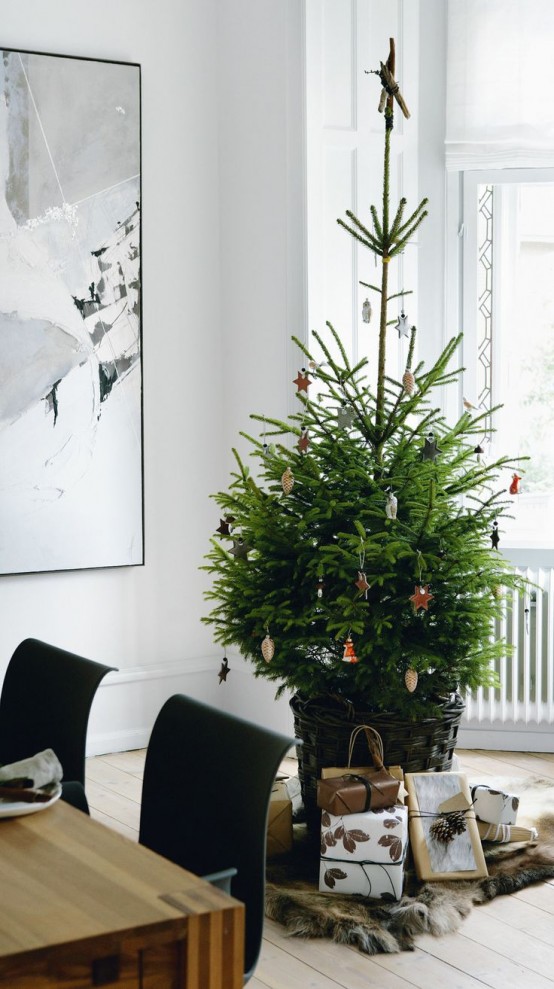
{"x":348,"y":966}
{"x":481,"y":962}
{"x":130,"y":762}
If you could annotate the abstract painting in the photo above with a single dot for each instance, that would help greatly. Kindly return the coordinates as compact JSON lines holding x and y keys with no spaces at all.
{"x":71,"y":492}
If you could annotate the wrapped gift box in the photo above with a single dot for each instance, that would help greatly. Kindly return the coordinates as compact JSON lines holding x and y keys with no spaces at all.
{"x":505,"y":832}
{"x":376,"y":836}
{"x":376,"y":880}
{"x":494,"y":806}
{"x":292,"y":786}
{"x":431,"y":798}
{"x":279,"y":821}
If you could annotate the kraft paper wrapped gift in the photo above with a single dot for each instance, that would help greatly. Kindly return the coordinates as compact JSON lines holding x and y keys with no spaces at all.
{"x":503,"y":833}
{"x":432,"y":796}
{"x":279,"y":821}
{"x":494,"y":806}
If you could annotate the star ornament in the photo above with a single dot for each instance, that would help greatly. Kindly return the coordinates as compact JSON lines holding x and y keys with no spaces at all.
{"x":240,"y":549}
{"x":421,"y":597}
{"x":403,"y":325}
{"x":430,"y":450}
{"x":225,"y":670}
{"x":302,"y":381}
{"x":304,"y":441}
{"x":361,"y":583}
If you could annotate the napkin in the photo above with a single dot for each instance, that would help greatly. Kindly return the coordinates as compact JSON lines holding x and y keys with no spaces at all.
{"x":42,"y":768}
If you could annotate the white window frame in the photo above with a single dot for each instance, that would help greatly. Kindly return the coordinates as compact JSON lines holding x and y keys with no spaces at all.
{"x":461,"y":288}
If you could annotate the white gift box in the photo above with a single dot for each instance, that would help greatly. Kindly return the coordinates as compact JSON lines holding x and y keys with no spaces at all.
{"x":375,"y":836}
{"x":494,"y":806}
{"x":375,"y":880}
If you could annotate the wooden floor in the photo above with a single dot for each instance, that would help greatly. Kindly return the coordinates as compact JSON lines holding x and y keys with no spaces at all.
{"x":506,"y":944}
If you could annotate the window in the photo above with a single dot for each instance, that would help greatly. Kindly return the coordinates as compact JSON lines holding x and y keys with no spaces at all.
{"x":508,"y":322}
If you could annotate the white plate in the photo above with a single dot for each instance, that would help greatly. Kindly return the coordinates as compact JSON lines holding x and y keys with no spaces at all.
{"x":17,"y":808}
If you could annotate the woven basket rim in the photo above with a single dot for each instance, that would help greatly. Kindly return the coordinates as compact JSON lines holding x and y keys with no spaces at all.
{"x":319,"y":710}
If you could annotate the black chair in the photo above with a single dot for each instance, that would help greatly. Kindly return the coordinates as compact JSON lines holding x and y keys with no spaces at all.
{"x":45,"y":703}
{"x":207,"y":782}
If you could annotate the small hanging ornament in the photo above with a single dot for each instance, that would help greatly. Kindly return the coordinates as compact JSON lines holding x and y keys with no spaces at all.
{"x":225,"y":670}
{"x":448,"y":825}
{"x":345,"y":416}
{"x":408,"y":381}
{"x":496,"y":591}
{"x":268,"y":449}
{"x":224,"y":527}
{"x":403,"y":325}
{"x":319,"y":587}
{"x":268,"y":647}
{"x":391,"y":505}
{"x":366,"y":311}
{"x":240,"y":549}
{"x":302,"y":381}
{"x":430,"y":450}
{"x":410,"y":679}
{"x":362,"y":584}
{"x":495,"y":535}
{"x":514,"y":486}
{"x":304,"y":441}
{"x":287,"y":481}
{"x":421,"y":597}
{"x":349,"y":656}
{"x":315,"y":367}
{"x":479,"y":451}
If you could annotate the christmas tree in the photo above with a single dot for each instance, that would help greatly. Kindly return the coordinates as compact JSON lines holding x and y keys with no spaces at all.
{"x":360,"y":558}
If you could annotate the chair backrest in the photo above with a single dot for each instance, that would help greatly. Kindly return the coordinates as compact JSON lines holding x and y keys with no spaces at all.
{"x":45,"y":703}
{"x":207,"y":783}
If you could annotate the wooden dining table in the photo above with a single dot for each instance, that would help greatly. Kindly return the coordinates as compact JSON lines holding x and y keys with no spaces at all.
{"x":81,"y":905}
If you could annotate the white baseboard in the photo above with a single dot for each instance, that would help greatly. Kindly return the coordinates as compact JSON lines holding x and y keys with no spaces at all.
{"x":516,"y":738}
{"x":128,"y":701}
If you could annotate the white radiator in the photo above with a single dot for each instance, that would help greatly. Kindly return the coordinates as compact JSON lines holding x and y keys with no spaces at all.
{"x":519,"y":715}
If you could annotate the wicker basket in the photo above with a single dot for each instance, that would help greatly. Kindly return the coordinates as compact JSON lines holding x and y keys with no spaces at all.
{"x":325,"y":727}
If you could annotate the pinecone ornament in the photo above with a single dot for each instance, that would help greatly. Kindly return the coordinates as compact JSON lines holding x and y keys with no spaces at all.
{"x":287,"y":481}
{"x":268,"y":648}
{"x":448,"y":826}
{"x":408,"y":381}
{"x":410,"y":679}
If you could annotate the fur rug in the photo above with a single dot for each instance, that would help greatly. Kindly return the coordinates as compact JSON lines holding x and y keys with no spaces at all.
{"x":292,"y":896}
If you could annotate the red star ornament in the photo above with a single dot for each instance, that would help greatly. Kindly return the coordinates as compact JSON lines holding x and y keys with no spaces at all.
{"x":304,"y":441}
{"x":361,"y":583}
{"x":302,"y":381}
{"x":421,"y":597}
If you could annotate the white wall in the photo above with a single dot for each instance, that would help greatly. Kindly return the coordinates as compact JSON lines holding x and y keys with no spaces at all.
{"x":224,"y":288}
{"x":262,"y":277}
{"x":221,"y":129}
